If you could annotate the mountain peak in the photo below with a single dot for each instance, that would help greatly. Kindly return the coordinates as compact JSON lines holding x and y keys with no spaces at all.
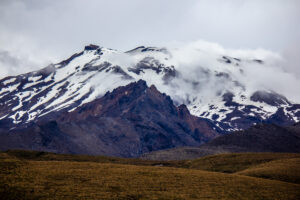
{"x":91,"y":47}
{"x":213,"y":90}
{"x":183,"y":110}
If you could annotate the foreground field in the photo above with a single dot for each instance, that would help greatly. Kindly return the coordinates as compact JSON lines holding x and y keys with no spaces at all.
{"x":36,"y":175}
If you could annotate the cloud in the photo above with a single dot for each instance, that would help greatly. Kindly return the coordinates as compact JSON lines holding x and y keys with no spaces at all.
{"x":67,"y":25}
{"x":199,"y":62}
{"x":22,"y":55}
{"x":13,"y":64}
{"x":35,"y":33}
{"x":291,"y":60}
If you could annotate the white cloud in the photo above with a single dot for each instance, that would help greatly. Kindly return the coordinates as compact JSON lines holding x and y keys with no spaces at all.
{"x":198,"y":61}
{"x":35,"y":33}
{"x":22,"y":55}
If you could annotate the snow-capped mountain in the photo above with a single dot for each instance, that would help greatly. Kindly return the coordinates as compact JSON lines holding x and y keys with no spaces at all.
{"x":213,"y":86}
{"x":129,"y":121}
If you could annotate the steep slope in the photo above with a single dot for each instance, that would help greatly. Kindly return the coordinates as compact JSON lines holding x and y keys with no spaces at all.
{"x":213,"y":86}
{"x":260,"y":138}
{"x":128,"y":121}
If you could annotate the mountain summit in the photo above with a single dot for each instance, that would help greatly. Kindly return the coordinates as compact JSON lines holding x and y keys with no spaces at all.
{"x":214,"y":87}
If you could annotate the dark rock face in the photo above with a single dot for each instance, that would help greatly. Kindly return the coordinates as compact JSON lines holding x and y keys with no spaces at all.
{"x":129,"y":121}
{"x":91,"y":47}
{"x":203,"y":129}
{"x":259,"y":138}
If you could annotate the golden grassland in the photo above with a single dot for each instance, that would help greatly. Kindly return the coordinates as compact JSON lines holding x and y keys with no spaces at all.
{"x":38,"y":175}
{"x":284,"y":170}
{"x":234,"y":162}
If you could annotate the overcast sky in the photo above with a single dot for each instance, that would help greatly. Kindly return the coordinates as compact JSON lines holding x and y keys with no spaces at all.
{"x":34,"y":33}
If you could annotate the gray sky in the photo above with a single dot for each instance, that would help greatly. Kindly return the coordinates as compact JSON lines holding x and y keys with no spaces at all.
{"x":34,"y":33}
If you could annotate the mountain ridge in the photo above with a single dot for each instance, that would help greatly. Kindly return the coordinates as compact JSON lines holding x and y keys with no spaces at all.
{"x":89,"y":74}
{"x":126,"y":122}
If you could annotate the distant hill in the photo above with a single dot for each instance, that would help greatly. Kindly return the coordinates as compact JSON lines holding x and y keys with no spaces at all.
{"x":259,"y":138}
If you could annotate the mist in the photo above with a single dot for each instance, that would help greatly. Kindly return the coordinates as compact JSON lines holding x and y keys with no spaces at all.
{"x":200,"y":61}
{"x":36,"y":33}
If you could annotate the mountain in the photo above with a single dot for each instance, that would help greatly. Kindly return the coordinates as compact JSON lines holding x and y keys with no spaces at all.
{"x":127,"y":122}
{"x":214,"y":87}
{"x":259,"y":138}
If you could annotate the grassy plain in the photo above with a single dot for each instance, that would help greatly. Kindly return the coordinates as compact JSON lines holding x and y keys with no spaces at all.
{"x":39,"y":175}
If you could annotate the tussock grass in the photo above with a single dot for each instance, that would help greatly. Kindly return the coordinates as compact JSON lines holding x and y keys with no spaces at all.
{"x":284,"y":170}
{"x":48,"y":156}
{"x":234,"y":162}
{"x":36,"y":175}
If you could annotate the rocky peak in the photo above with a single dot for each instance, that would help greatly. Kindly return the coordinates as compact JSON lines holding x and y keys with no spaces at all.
{"x":91,"y":47}
{"x":183,"y":110}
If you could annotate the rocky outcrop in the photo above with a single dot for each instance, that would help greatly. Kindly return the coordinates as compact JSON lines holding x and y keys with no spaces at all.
{"x":129,"y":121}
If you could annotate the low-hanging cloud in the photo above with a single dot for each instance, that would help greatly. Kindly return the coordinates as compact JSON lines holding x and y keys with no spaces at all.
{"x":202,"y":71}
{"x":35,"y":33}
{"x":11,"y":65}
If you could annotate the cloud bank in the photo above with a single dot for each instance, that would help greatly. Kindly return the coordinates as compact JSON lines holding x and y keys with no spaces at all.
{"x":35,"y":33}
{"x":200,"y":61}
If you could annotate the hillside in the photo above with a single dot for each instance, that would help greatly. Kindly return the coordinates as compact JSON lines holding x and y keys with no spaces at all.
{"x":259,"y":138}
{"x":35,"y":175}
